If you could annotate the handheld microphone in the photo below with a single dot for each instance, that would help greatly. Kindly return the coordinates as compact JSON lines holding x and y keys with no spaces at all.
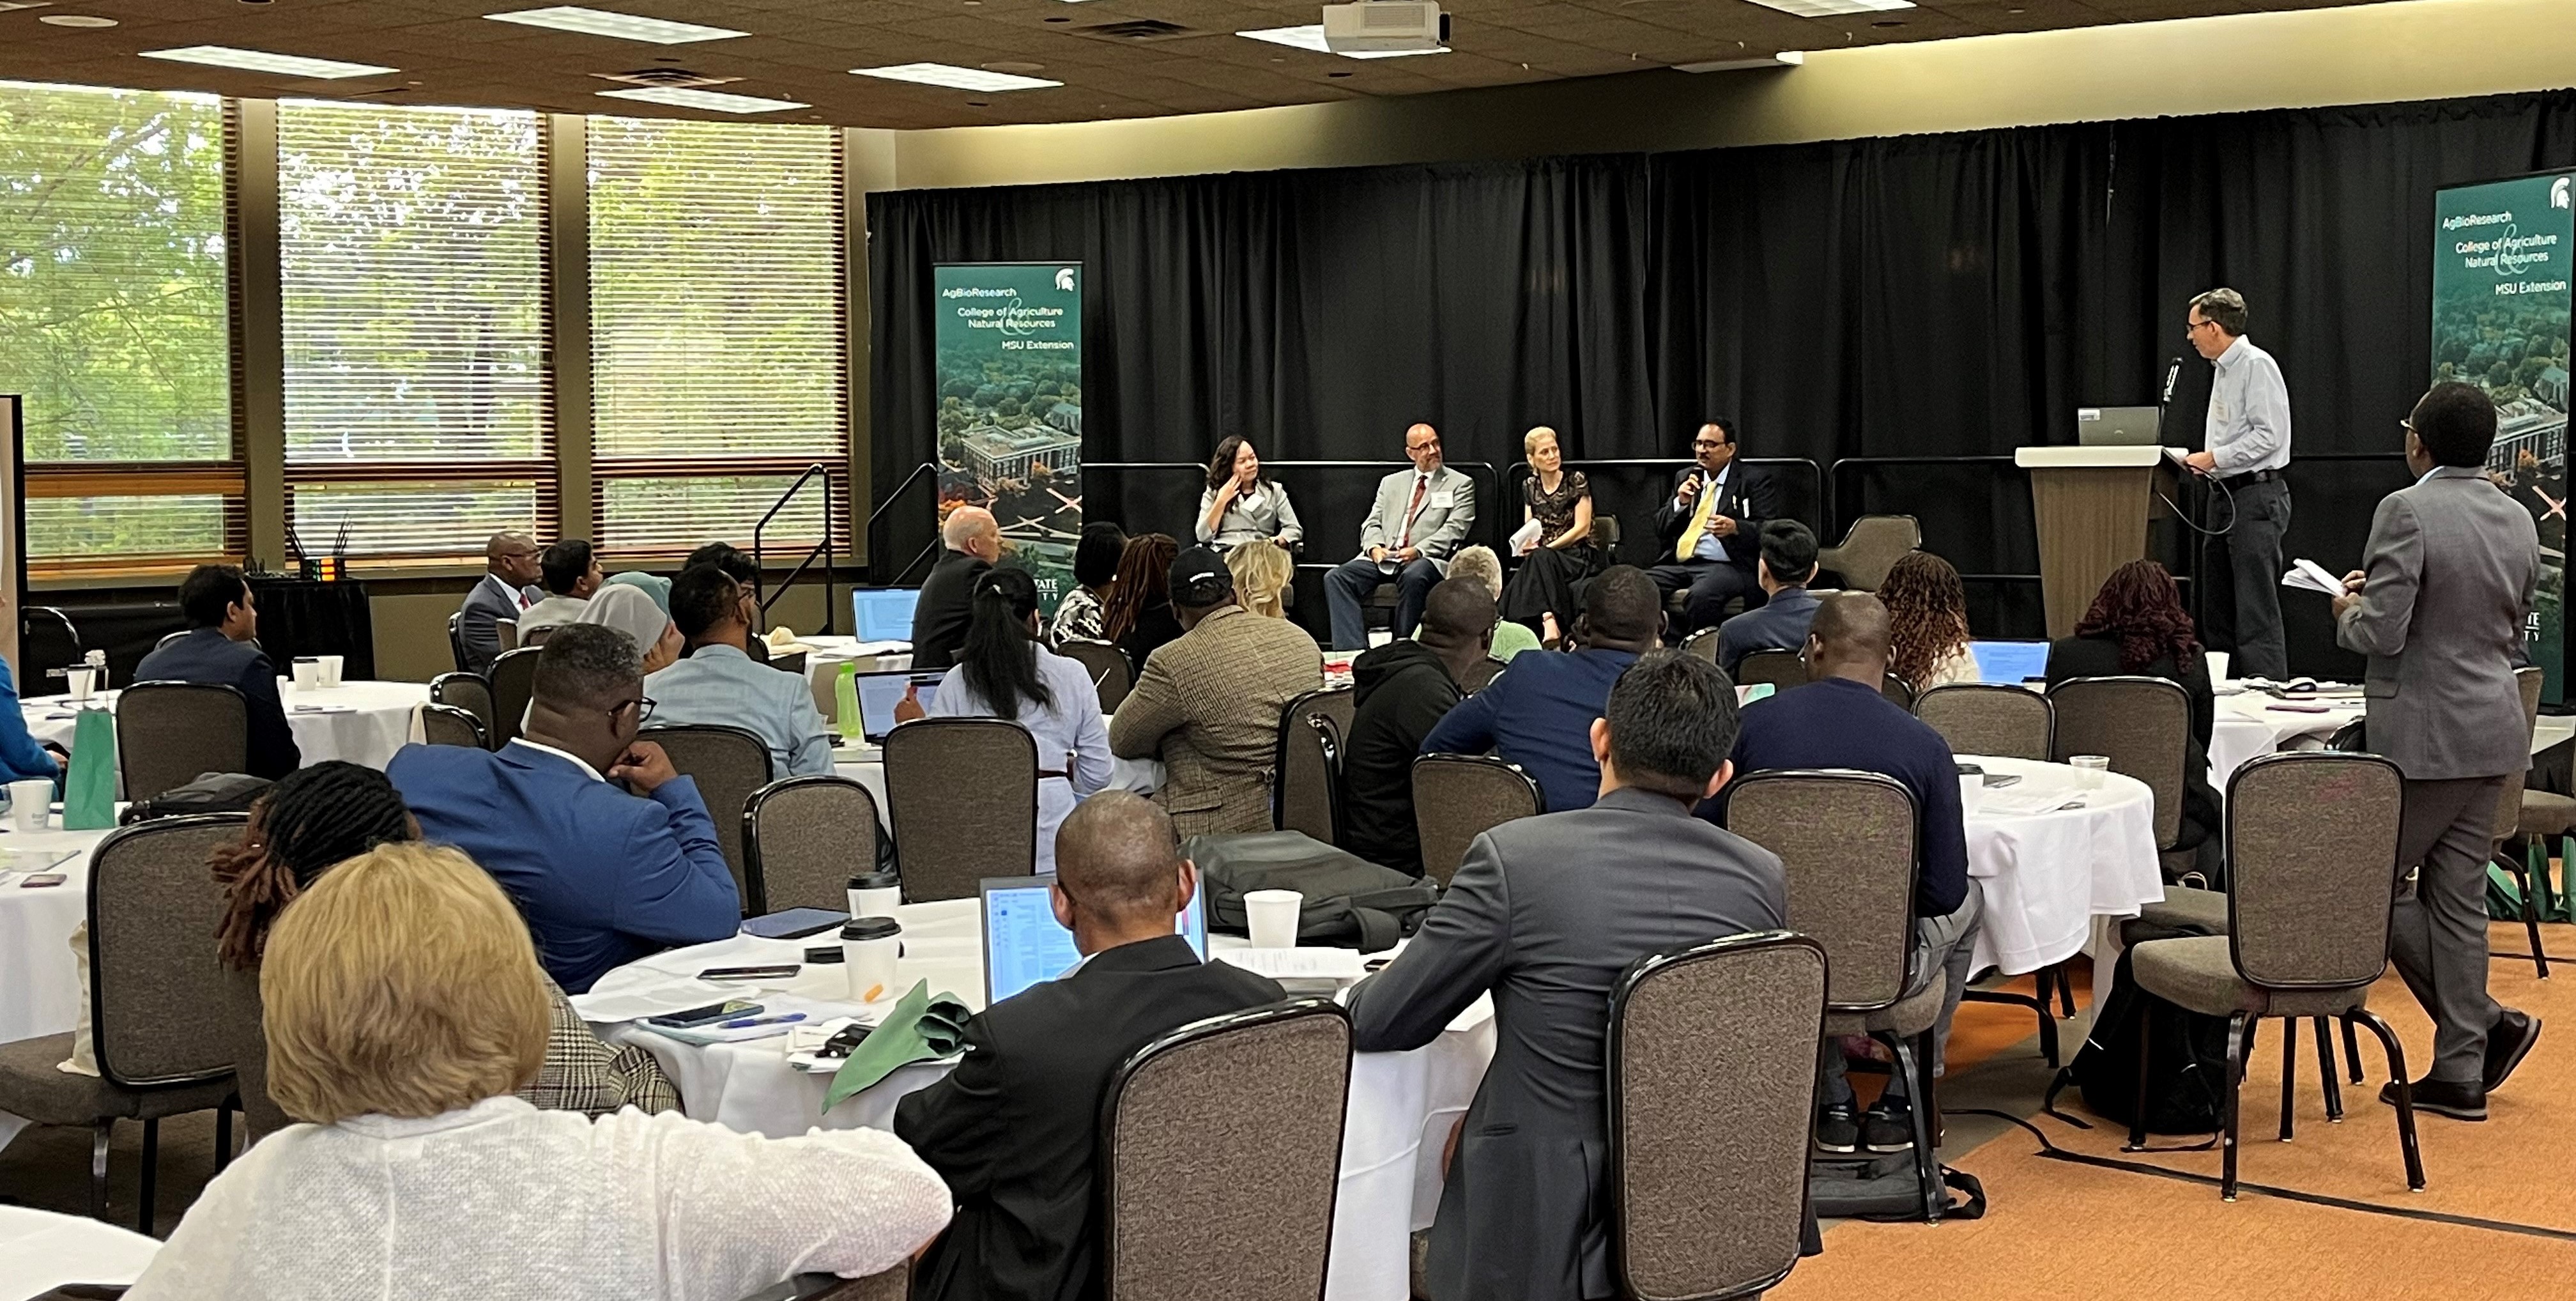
{"x":2173,"y":376}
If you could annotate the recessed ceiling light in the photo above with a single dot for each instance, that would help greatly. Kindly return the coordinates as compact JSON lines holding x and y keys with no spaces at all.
{"x":1829,"y":8}
{"x":291,"y":65}
{"x":713,"y":100}
{"x":625,"y":27}
{"x":7,"y":5}
{"x":948,"y":74}
{"x":77,"y":20}
{"x":1311,"y":37}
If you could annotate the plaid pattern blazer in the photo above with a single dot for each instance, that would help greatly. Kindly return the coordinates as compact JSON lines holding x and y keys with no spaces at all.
{"x":584,"y":1073}
{"x":1209,"y":705}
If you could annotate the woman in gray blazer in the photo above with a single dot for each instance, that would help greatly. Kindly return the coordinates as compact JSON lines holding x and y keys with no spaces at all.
{"x":1240,"y":504}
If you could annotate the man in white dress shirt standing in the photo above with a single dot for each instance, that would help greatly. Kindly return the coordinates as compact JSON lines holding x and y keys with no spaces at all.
{"x":2247,"y":452}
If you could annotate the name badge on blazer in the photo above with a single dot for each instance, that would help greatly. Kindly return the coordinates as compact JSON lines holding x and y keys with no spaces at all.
{"x":1439,"y":499}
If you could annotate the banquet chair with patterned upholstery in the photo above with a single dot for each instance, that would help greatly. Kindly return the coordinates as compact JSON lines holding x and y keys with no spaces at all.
{"x":1306,"y":795}
{"x":164,"y":1047}
{"x":171,"y":733}
{"x":962,"y":797}
{"x":2312,"y":840}
{"x":2141,"y":724}
{"x":1976,"y":718}
{"x":2530,"y":817}
{"x":1847,"y":843}
{"x":730,"y":765}
{"x":1898,"y":691}
{"x":449,"y":725}
{"x":1781,"y":668}
{"x":1703,"y":644}
{"x":805,"y":837}
{"x":1458,"y":797}
{"x":514,"y":682}
{"x":471,"y":692}
{"x":1186,"y":1117}
{"x":1712,"y":1107}
{"x":456,"y":640}
{"x":1108,"y":669}
{"x":1480,"y":675}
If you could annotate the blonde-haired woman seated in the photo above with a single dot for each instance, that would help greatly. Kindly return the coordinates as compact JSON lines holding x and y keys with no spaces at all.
{"x":1560,"y":556}
{"x":1481,"y":564}
{"x":1262,"y":571}
{"x":404,"y":1003}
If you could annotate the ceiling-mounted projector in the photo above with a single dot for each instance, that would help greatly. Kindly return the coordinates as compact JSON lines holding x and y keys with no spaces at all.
{"x":1385,"y":27}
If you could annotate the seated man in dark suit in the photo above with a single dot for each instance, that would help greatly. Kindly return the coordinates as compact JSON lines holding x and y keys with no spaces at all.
{"x":1539,"y":713}
{"x":941,"y":613}
{"x":1403,"y":690}
{"x":1546,"y":913}
{"x":1839,"y":720}
{"x":220,"y":650}
{"x":1788,"y":564}
{"x":512,"y":565}
{"x":603,"y":877}
{"x":1014,"y":1129}
{"x":1708,"y":529}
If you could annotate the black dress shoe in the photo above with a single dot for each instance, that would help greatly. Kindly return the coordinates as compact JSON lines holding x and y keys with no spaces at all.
{"x":2442,"y":1098}
{"x":2509,"y":1040}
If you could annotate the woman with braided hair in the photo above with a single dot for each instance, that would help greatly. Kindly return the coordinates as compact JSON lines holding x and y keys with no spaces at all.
{"x":316,"y":818}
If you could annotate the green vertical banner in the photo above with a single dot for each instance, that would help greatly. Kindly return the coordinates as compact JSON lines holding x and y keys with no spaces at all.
{"x":2501,"y":255}
{"x":1009,"y":346}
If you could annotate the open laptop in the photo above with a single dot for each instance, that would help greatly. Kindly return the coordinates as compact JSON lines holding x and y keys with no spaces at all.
{"x":883,"y":613}
{"x":1024,"y":945}
{"x":879,"y":693}
{"x":2119,"y":426}
{"x":2009,"y":663}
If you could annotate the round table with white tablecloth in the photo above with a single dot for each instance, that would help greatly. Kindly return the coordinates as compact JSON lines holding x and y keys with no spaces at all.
{"x":1398,"y":1117}
{"x":361,"y":722}
{"x":2249,"y":724}
{"x":2049,"y":856}
{"x":42,"y":1250}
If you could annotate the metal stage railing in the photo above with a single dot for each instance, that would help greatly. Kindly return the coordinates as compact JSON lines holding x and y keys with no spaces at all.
{"x":817,"y":472}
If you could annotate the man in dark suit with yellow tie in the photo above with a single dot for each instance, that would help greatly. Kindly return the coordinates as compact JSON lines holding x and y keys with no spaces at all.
{"x":1711,"y":528}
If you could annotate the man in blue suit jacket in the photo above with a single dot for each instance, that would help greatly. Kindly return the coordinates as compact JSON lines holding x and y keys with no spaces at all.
{"x":219,"y":652}
{"x":603,"y":877}
{"x":1539,"y":713}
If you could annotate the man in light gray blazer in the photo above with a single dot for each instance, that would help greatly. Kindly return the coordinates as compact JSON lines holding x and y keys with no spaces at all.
{"x":1546,"y":913}
{"x":2448,"y":577}
{"x":1421,"y":518}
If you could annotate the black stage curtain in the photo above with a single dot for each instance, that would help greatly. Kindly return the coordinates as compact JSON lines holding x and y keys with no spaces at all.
{"x":1949,"y":295}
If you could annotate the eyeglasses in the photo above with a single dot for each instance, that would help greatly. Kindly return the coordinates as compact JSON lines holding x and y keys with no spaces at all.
{"x":643,"y":708}
{"x":2189,"y":326}
{"x":1411,"y":449}
{"x":1706,"y":444}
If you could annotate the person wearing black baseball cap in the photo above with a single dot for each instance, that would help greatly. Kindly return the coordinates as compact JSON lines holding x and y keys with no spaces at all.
{"x":1208,"y":705}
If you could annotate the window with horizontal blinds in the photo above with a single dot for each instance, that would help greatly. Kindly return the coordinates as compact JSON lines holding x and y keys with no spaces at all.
{"x":718,"y":324}
{"x":412,"y":258}
{"x":115,"y":325}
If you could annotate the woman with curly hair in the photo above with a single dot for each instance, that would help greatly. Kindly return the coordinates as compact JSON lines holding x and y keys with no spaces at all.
{"x":2137,"y":626}
{"x":1927,"y":619}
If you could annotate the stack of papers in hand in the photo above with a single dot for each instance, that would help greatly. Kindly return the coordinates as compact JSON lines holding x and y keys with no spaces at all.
{"x":2307,"y":575}
{"x":1523,"y":536}
{"x":1299,"y":971}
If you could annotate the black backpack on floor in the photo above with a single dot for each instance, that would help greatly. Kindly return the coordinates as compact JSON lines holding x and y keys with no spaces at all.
{"x":2188,"y":1083}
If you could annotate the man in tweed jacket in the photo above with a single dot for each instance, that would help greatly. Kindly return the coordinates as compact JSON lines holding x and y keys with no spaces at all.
{"x":1209,"y":704}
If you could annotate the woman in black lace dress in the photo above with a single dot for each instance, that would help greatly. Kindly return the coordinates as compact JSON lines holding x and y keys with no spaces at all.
{"x":1562,"y":554}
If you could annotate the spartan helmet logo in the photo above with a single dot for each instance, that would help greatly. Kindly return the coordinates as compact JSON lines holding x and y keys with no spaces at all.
{"x":2558,"y":192}
{"x":1064,"y":275}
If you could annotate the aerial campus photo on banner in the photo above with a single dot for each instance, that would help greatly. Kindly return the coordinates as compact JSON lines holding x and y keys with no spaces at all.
{"x":1010,"y":407}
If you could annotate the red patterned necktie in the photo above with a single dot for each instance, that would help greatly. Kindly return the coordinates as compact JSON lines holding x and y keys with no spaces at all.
{"x":1411,"y":509}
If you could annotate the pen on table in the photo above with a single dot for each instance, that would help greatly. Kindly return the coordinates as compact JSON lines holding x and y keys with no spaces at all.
{"x":750,"y":1021}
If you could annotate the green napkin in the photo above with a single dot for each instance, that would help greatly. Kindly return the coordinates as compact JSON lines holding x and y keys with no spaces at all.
{"x":920,"y":1028}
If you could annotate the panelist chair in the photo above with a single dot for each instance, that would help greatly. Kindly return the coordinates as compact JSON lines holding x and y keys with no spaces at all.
{"x":1870,"y":547}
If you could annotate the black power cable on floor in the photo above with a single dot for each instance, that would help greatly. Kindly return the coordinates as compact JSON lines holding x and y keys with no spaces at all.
{"x":2052,"y":1151}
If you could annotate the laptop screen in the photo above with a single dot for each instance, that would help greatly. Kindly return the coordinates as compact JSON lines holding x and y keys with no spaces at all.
{"x":883,"y":613}
{"x":1023,"y":944}
{"x":879,"y":693}
{"x":2007,"y":663}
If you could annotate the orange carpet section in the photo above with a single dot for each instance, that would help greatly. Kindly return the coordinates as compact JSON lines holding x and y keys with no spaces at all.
{"x":2055,"y":1229}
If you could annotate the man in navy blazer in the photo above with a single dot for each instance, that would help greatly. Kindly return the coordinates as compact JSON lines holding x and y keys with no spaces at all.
{"x":1539,"y":713}
{"x":219,"y":652}
{"x":602,"y":877}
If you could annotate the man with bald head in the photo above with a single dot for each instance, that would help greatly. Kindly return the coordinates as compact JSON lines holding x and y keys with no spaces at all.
{"x":1013,"y":1129}
{"x":510,"y":572}
{"x":1421,"y":518}
{"x":974,"y":542}
{"x":1839,"y":720}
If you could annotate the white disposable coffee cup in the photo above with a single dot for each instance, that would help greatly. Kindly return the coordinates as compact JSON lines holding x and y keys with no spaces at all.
{"x":869,"y":946}
{"x":28,"y":803}
{"x":2217,"y":665}
{"x":80,"y":679}
{"x":308,"y":674}
{"x":875,"y":894}
{"x":2089,"y":769}
{"x":331,"y":669}
{"x":1272,"y":915}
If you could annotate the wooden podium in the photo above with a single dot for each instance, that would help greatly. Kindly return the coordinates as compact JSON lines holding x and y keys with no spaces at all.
{"x":2092,"y":505}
